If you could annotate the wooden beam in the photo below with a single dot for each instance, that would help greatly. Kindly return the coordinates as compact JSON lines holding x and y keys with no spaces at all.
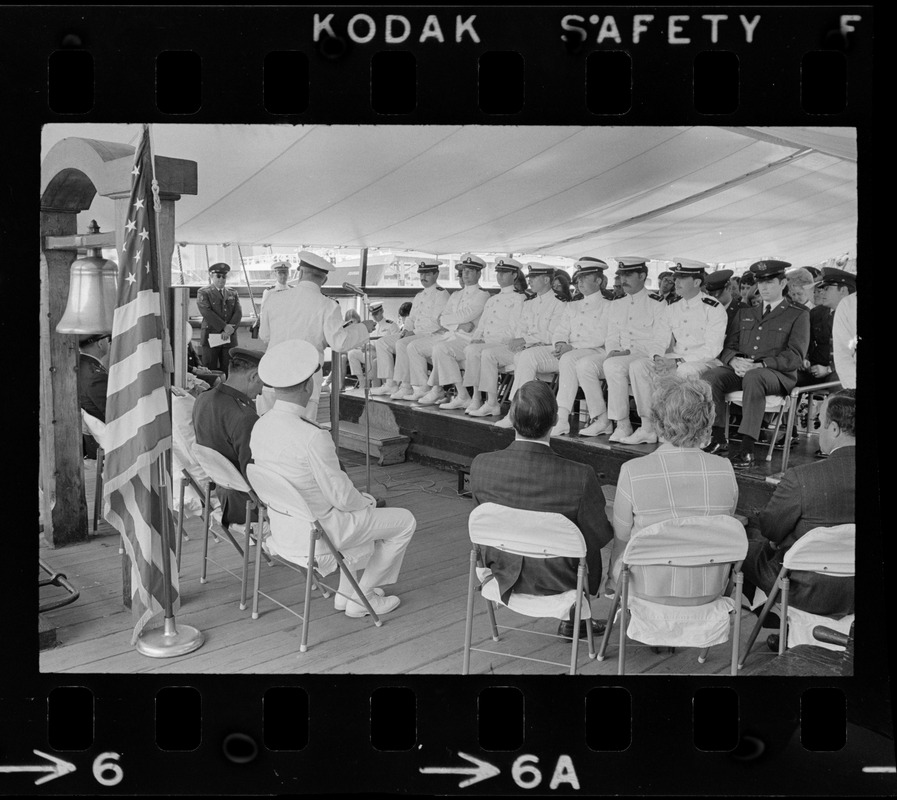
{"x":60,"y":412}
{"x":180,"y":322}
{"x":80,"y":241}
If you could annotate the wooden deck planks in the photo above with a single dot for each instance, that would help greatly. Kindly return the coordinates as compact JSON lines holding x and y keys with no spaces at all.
{"x":424,"y":636}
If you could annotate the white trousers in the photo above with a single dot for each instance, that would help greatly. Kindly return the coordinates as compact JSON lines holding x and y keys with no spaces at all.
{"x":492,"y":358}
{"x":447,"y":357}
{"x":356,"y":362}
{"x":385,"y":348}
{"x":418,"y":351}
{"x":528,"y":363}
{"x":582,"y":368}
{"x":616,"y":373}
{"x":642,"y":377}
{"x":390,"y":529}
{"x":473,"y":355}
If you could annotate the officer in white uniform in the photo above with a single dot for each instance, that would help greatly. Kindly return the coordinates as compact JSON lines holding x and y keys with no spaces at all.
{"x":579,"y":347}
{"x":287,"y":443}
{"x":698,"y":325}
{"x":392,"y":351}
{"x":385,"y":327}
{"x":637,"y":327}
{"x":459,"y":318}
{"x":495,"y":327}
{"x":305,"y":313}
{"x":535,"y":327}
{"x":281,"y":271}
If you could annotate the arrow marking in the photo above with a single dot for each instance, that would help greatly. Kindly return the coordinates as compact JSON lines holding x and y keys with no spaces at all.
{"x":481,"y":770}
{"x":55,"y":770}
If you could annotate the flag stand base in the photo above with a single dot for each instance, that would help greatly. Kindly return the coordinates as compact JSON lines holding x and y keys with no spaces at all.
{"x":169,"y":641}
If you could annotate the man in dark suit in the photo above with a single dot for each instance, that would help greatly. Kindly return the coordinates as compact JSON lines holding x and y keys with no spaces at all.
{"x":765,"y":346}
{"x":529,"y":475}
{"x":221,"y":314}
{"x":223,"y":419}
{"x":93,"y":379}
{"x":820,"y":494}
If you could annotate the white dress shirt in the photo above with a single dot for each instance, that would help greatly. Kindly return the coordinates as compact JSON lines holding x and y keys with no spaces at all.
{"x":583,"y":325}
{"x":465,"y":305}
{"x":500,"y":316}
{"x":538,"y":319}
{"x":639,"y":324}
{"x":425,"y":310}
{"x":698,"y":326}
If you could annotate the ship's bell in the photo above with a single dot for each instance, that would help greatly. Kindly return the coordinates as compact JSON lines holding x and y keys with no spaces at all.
{"x":93,"y":293}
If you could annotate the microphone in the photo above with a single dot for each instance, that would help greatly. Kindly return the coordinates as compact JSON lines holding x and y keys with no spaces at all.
{"x":350,"y":287}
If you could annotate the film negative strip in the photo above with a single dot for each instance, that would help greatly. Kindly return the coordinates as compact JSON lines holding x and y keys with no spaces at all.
{"x":486,"y":104}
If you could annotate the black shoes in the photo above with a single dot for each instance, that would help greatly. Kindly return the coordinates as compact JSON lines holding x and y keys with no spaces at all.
{"x":743,"y":461}
{"x":715,"y":448}
{"x":565,"y":629}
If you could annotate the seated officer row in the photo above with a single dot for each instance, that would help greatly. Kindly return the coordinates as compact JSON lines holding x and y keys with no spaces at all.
{"x":470,"y":336}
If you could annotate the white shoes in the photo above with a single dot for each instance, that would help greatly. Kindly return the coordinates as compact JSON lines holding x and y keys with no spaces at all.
{"x":382,"y":605}
{"x":476,"y":403}
{"x":340,"y":601}
{"x":641,"y":436}
{"x":561,"y":429}
{"x":456,"y":402}
{"x":418,"y":393}
{"x":486,"y":410}
{"x":434,"y":397}
{"x":504,"y":422}
{"x":402,"y":393}
{"x":598,"y":427}
{"x":620,"y":434}
{"x":386,"y":388}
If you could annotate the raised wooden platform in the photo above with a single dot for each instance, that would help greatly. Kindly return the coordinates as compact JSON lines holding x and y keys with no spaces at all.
{"x":451,"y":439}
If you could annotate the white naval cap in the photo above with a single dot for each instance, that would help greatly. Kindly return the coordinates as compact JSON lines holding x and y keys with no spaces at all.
{"x":309,"y":259}
{"x":289,"y":363}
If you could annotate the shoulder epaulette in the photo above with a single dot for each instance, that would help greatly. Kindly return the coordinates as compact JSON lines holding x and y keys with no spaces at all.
{"x":657,"y":297}
{"x":712,"y":302}
{"x":311,"y":422}
{"x":674,"y":300}
{"x":483,"y":289}
{"x":440,"y":288}
{"x":389,"y":321}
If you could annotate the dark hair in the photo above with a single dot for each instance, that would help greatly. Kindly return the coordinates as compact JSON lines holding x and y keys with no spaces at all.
{"x":564,"y":278}
{"x":534,"y":409}
{"x":520,"y":283}
{"x":841,"y":408}
{"x":404,"y":309}
{"x":242,"y":364}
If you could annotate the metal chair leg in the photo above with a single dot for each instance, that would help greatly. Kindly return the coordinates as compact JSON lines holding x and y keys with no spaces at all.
{"x":577,"y":618}
{"x":755,"y":632}
{"x":602,"y":650}
{"x":736,"y":625}
{"x":350,"y":577}
{"x":783,"y":622}
{"x":490,"y":606}
{"x":245,"y":578}
{"x":621,"y":661}
{"x":792,"y":413}
{"x":258,"y":562}
{"x":309,"y":578}
{"x":180,"y":528}
{"x":98,"y":489}
{"x":775,"y":433}
{"x":206,"y":517}
{"x":702,"y":655}
{"x":468,"y":622}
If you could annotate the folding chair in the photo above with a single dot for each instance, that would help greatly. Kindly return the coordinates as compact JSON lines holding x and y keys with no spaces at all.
{"x":817,"y":388}
{"x":778,"y":404}
{"x":506,"y":381}
{"x":825,"y":551}
{"x":532,"y":534}
{"x":281,"y":498}
{"x":674,"y":586}
{"x":222,"y":473}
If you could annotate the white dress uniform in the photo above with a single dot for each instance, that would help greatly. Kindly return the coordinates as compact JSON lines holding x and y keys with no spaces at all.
{"x":637,"y":323}
{"x":465,"y":305}
{"x":392,"y":356}
{"x":305,"y":313}
{"x":385,"y":327}
{"x":304,"y":454}
{"x":698,"y":327}
{"x":535,"y":325}
{"x":277,"y":287}
{"x":496,"y":326}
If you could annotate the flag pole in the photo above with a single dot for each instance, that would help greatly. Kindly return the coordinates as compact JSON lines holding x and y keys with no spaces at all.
{"x":170,"y":640}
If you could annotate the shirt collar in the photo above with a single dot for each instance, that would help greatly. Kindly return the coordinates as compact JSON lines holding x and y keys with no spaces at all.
{"x":309,"y":286}
{"x":288,"y":408}
{"x":519,"y":438}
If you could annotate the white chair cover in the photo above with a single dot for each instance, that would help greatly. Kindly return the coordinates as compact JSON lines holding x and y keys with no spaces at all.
{"x":828,"y":551}
{"x":219,"y":468}
{"x":533,"y":534}
{"x":773,"y":401}
{"x":94,"y":427}
{"x":183,"y":438}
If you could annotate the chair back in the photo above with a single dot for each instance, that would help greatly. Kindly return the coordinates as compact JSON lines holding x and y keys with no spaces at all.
{"x":686,"y":558}
{"x":830,"y":551}
{"x":534,"y":534}
{"x":93,"y":426}
{"x":278,"y":494}
{"x":220,"y":469}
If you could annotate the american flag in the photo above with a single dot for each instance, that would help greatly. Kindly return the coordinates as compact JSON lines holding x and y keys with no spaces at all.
{"x":137,"y":411}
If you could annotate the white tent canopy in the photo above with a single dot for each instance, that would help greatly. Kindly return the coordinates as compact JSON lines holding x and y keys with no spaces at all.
{"x":707,"y":193}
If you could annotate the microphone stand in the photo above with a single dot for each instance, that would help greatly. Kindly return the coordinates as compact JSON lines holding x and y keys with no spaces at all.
{"x":367,"y":394}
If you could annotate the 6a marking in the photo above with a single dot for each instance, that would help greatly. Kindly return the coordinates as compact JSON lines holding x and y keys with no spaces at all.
{"x":107,"y":763}
{"x":524,"y":771}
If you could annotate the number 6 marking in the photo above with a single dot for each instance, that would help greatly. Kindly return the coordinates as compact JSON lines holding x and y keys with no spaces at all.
{"x":105,"y":763}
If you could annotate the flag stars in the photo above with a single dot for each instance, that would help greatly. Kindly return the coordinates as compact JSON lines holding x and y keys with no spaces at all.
{"x":144,"y":234}
{"x":136,"y":170}
{"x":131,"y":278}
{"x":131,"y":225}
{"x":138,"y":204}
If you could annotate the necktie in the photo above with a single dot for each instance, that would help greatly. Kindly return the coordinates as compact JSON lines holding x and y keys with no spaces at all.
{"x":765,"y":310}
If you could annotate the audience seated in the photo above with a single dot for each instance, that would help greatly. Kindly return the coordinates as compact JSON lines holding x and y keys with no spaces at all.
{"x":764,"y":349}
{"x":223,"y":419}
{"x":93,"y":379}
{"x":819,"y":494}
{"x":284,"y":442}
{"x":678,"y":479}
{"x":528,"y":475}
